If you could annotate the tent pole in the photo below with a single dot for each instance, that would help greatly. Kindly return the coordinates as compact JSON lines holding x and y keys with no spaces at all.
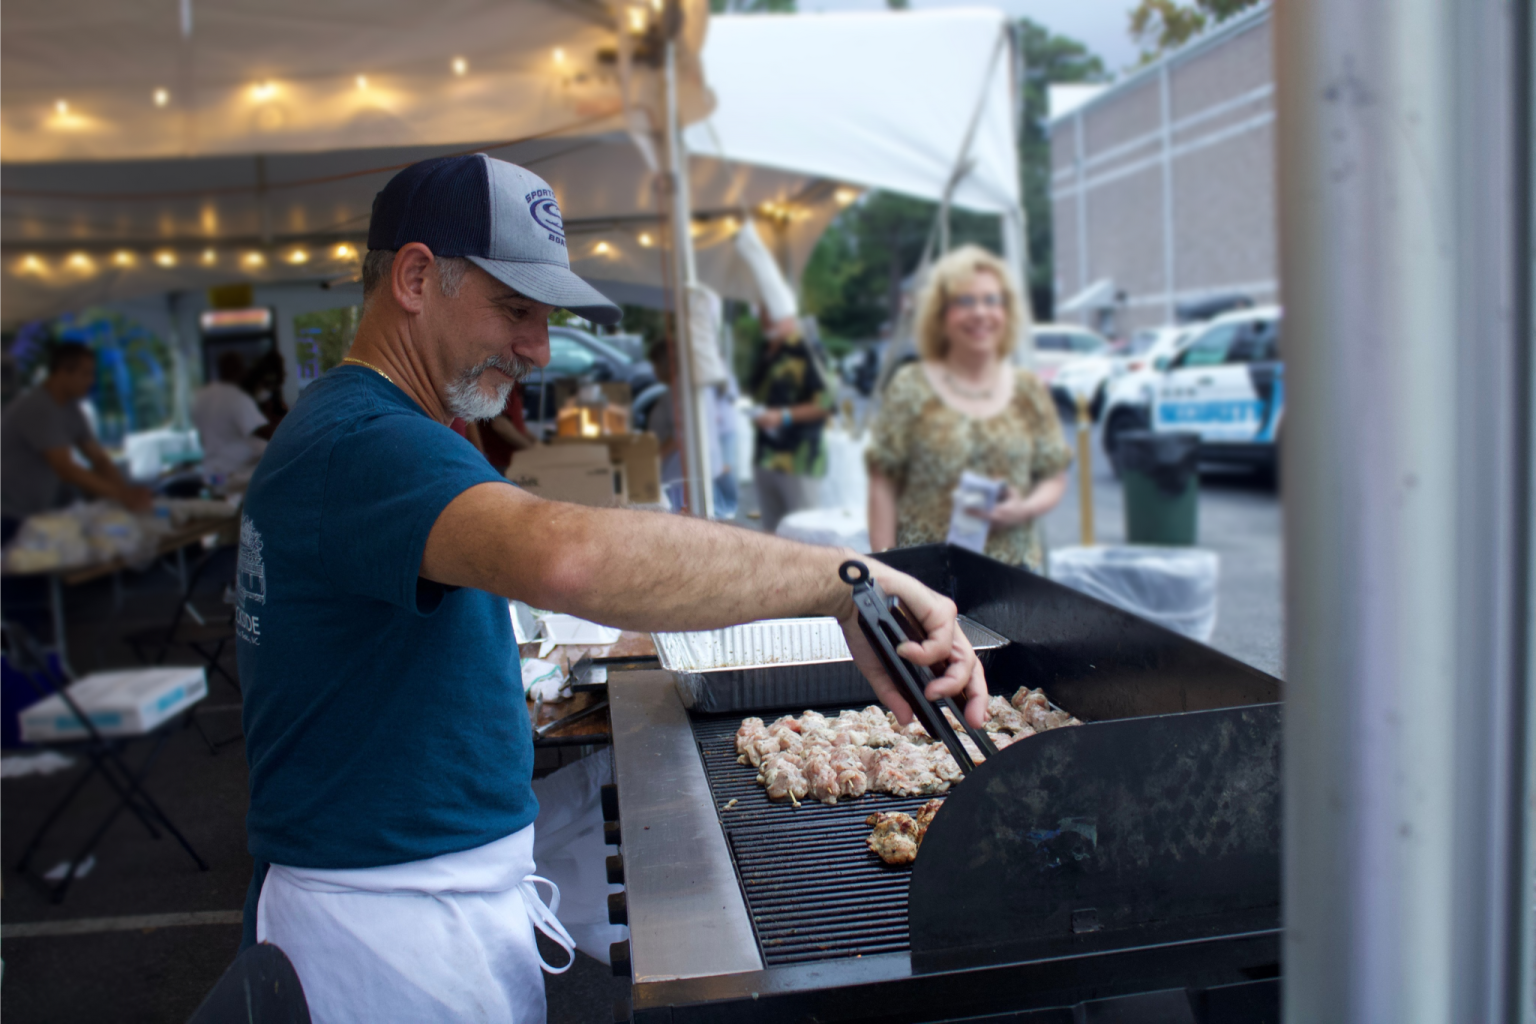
{"x":695,"y":461}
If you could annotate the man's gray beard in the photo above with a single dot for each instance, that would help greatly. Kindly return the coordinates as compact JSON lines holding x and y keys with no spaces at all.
{"x":466,"y":398}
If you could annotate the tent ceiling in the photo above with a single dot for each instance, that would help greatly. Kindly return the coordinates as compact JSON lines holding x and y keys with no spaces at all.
{"x":91,"y":218}
{"x":117,"y":79}
{"x":76,"y":234}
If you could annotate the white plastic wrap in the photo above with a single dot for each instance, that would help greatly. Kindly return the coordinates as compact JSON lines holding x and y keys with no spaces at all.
{"x":1174,"y":587}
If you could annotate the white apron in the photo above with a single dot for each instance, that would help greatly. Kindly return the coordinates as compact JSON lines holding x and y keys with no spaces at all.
{"x":445,"y":939}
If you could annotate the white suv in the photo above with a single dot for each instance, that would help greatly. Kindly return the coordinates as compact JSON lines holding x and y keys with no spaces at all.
{"x":1225,"y":382}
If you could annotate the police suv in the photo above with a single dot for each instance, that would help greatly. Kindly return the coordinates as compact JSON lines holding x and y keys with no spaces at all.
{"x":1226,"y":382}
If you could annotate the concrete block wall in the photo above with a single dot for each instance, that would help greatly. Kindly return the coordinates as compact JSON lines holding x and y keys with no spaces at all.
{"x":1165,"y":181}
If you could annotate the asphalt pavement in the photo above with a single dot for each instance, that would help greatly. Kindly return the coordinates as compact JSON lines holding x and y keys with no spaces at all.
{"x":1239,"y":519}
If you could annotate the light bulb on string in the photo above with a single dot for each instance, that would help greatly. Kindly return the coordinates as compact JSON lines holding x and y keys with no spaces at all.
{"x":460,"y":66}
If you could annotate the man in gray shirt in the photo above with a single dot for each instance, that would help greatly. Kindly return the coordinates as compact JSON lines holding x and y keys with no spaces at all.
{"x":39,"y":434}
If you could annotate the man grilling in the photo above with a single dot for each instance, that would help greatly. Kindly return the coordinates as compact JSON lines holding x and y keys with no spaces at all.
{"x":391,"y":812}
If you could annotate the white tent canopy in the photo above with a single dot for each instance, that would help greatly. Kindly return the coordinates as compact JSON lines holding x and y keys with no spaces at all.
{"x":879,"y":99}
{"x":127,"y":79}
{"x":793,"y":128}
{"x":146,"y":152}
{"x":917,"y":102}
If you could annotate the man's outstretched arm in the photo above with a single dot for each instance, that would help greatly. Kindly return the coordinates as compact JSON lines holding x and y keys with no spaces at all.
{"x":652,"y":571}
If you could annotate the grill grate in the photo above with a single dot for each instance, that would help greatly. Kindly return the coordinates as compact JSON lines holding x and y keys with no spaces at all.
{"x":814,"y":890}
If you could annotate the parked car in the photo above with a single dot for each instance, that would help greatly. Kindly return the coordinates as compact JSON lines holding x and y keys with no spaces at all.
{"x":1076,"y":375}
{"x":576,"y":355}
{"x":1223,"y":380}
{"x":1059,"y":344}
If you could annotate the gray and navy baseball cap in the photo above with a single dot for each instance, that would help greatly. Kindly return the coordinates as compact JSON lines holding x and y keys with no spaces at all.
{"x":497,"y":215}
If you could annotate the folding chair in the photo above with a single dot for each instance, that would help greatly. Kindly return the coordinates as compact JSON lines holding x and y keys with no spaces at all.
{"x":207,"y":639}
{"x":107,"y":760}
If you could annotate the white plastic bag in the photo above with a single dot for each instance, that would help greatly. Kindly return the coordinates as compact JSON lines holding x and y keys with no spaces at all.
{"x":1174,"y":587}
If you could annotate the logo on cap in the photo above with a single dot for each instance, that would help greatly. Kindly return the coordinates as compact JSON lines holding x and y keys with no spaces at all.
{"x":546,"y":213}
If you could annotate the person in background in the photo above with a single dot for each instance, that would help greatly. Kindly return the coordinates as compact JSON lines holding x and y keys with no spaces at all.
{"x":724,"y":401}
{"x":229,"y":423}
{"x":39,"y":435}
{"x":501,"y":437}
{"x":962,"y":406}
{"x":791,"y":392}
{"x":264,"y":382}
{"x":661,"y":420}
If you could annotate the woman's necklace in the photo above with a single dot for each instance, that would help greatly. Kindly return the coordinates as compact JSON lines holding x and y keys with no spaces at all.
{"x":358,"y":362}
{"x":973,"y":394}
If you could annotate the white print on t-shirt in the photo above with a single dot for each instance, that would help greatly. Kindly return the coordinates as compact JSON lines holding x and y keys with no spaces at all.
{"x":250,"y":582}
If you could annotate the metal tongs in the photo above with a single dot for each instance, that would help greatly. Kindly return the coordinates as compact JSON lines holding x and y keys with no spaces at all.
{"x":886,"y":626}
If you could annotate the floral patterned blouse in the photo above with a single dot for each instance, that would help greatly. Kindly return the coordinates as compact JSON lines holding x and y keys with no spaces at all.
{"x":922,"y":445}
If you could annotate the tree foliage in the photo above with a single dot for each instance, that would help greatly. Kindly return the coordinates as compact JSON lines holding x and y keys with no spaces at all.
{"x":852,"y":282}
{"x":1158,"y":26}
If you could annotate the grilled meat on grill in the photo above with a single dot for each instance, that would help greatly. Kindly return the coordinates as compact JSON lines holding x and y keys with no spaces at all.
{"x":895,"y":837}
{"x":826,"y":759}
{"x":898,"y":836}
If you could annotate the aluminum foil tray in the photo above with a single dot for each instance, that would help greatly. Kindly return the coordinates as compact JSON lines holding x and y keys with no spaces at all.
{"x":777,"y":663}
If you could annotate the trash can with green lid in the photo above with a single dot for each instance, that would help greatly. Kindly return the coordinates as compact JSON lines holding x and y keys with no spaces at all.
{"x":1161,"y":479}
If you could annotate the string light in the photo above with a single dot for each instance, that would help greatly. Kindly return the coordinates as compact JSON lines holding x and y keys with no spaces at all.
{"x":559,"y":55}
{"x":162,"y":97}
{"x":263,"y":91}
{"x":61,"y":107}
{"x":254,"y":259}
{"x":362,"y":82}
{"x":602,"y":248}
{"x":845,"y":196}
{"x":344,"y":252}
{"x":637,"y":20}
{"x":31,"y":264}
{"x":124,"y":258}
{"x":460,"y":66}
{"x":165,"y":258}
{"x":646,"y":240}
{"x":209,"y":257}
{"x":298,"y":256}
{"x":79,"y":261}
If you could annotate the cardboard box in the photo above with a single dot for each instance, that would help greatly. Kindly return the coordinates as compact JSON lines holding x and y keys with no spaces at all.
{"x":639,"y":456}
{"x":579,"y":472}
{"x":126,"y":703}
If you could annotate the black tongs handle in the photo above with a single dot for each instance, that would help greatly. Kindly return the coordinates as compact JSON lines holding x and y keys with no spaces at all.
{"x":886,"y":624}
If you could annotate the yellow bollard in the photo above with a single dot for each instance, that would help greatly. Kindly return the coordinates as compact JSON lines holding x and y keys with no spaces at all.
{"x":1085,"y":469}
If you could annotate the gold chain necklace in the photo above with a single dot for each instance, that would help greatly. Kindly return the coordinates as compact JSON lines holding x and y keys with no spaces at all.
{"x":358,"y":362}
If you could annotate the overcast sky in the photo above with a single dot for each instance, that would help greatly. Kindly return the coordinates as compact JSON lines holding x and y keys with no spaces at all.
{"x":1101,"y":24}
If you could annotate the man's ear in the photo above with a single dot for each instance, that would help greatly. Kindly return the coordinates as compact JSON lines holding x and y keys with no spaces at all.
{"x":408,"y":276}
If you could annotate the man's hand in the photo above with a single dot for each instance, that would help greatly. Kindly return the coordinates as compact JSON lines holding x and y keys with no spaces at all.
{"x":946,"y":648}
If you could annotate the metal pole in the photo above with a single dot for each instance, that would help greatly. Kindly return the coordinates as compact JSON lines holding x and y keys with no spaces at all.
{"x":1085,"y":471}
{"x":1165,"y":108}
{"x":1404,"y":189}
{"x":695,"y":462}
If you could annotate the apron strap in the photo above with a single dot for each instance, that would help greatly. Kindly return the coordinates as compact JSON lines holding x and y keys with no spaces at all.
{"x":544,"y":919}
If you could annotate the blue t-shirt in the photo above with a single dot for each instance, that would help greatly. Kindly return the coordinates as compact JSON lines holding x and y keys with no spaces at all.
{"x":384,"y":714}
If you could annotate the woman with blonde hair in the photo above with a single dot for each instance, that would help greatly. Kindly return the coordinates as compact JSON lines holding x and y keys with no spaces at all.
{"x":964,"y":406}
